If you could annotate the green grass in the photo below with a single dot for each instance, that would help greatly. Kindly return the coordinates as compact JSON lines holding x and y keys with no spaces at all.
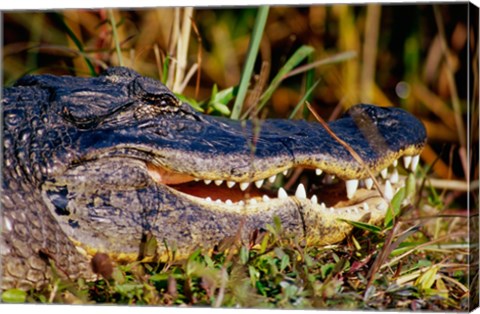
{"x":254,"y":45}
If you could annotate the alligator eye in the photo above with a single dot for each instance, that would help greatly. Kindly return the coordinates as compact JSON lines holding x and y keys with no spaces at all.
{"x":168,"y":100}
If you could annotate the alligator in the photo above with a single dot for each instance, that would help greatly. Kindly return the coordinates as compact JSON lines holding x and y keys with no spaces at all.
{"x":99,"y":164}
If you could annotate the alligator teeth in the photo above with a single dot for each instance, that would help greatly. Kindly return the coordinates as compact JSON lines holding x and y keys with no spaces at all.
{"x":352,"y":186}
{"x":282,"y":193}
{"x":314,"y":199}
{"x":252,"y":201}
{"x":265,"y":198}
{"x":395,"y":163}
{"x":365,"y":206}
{"x":406,"y":161}
{"x":244,"y":185}
{"x":322,"y":205}
{"x":384,"y":173}
{"x":207,"y":182}
{"x":272,"y":178}
{"x":259,"y":183}
{"x":368,"y":183}
{"x":388,"y":192}
{"x":218,"y":182}
{"x":318,"y":171}
{"x":394,"y":177}
{"x":285,"y":172}
{"x":228,"y":202}
{"x":208,"y":199}
{"x":230,"y":184}
{"x":219,"y":201}
{"x":241,"y":203}
{"x":415,"y":161}
{"x":300,"y":193}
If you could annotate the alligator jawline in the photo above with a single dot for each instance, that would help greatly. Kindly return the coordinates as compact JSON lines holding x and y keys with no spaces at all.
{"x":329,"y":194}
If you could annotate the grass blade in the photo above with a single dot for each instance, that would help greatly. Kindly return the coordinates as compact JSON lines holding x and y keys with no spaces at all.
{"x":76,"y":41}
{"x":395,"y":207}
{"x":115,"y":36}
{"x":309,"y":82}
{"x":341,"y":57}
{"x":250,"y":62}
{"x":292,"y":62}
{"x":363,"y":226}
{"x":304,"y":98}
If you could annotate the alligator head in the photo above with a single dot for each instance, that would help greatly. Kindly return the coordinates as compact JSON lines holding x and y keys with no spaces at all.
{"x":123,"y":157}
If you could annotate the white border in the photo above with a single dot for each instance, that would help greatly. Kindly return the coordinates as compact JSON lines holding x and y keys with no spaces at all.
{"x":55,"y":4}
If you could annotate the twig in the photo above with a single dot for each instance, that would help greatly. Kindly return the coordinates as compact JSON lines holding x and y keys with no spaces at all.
{"x":447,"y":236}
{"x":173,"y":39}
{"x":454,"y":185}
{"x":199,"y":57}
{"x":187,"y":78}
{"x":182,"y":48}
{"x":257,"y":90}
{"x":347,"y":147}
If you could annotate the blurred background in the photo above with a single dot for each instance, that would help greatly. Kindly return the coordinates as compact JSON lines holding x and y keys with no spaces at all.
{"x":418,"y":57}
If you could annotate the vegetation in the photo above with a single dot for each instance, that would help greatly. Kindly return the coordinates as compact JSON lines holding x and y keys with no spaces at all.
{"x":249,"y":63}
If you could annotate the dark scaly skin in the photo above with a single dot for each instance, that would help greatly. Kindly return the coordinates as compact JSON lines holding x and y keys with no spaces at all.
{"x":75,"y":177}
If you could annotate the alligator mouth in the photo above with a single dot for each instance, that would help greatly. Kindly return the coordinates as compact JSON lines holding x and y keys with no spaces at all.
{"x":229,"y":165}
{"x":318,"y":188}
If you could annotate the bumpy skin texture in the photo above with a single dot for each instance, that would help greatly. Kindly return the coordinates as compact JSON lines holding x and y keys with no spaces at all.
{"x":75,"y":156}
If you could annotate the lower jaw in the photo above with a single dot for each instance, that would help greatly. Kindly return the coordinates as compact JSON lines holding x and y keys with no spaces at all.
{"x":324,"y":218}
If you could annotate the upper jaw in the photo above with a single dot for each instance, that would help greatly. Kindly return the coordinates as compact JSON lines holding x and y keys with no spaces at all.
{"x":220,"y":149}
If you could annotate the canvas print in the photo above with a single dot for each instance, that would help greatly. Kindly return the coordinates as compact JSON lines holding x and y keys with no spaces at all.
{"x":286,"y":157}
